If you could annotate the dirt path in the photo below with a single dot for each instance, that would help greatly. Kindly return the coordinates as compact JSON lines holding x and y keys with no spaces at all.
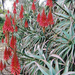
{"x":2,"y":48}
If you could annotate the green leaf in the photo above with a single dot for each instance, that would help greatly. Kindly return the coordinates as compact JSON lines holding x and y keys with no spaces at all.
{"x":56,"y":66}
{"x":44,"y":70}
{"x":66,"y":67}
{"x":57,"y":56}
{"x":62,"y":15}
{"x":67,"y":73}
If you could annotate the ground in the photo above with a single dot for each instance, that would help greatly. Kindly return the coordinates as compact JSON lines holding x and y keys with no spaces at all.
{"x":2,"y":47}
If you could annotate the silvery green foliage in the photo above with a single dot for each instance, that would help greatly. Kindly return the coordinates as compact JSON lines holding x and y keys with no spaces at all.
{"x":51,"y":53}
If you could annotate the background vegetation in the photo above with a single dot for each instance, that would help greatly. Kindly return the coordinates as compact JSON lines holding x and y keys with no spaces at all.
{"x":1,"y":25}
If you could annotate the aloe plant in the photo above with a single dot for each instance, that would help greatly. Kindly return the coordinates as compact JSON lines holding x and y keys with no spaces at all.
{"x":52,"y":52}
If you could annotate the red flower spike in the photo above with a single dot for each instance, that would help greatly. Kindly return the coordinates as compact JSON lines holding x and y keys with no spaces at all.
{"x":14,"y":11}
{"x":17,"y":1}
{"x":15,"y":66}
{"x":26,"y":24}
{"x":7,"y":25}
{"x":33,"y":6}
{"x":6,"y":56}
{"x":21,"y":15}
{"x":16,"y":29}
{"x":2,"y":40}
{"x":49,"y":3}
{"x":21,"y":12}
{"x":43,"y":19}
{"x":50,"y":18}
{"x":38,"y":18}
{"x":6,"y":16}
{"x":8,"y":11}
{"x":22,"y":9}
{"x":14,"y":4}
{"x":4,"y":65}
{"x":13,"y":21}
{"x":10,"y":17}
{"x":9,"y":52}
{"x":1,"y":66}
{"x":12,"y":42}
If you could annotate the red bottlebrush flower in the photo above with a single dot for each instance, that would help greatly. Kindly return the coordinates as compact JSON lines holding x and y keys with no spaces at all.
{"x":21,"y":15}
{"x":22,"y":9}
{"x":15,"y":66}
{"x":49,"y":3}
{"x":50,"y":18}
{"x":6,"y":16}
{"x":43,"y":19}
{"x":9,"y":52}
{"x":6,"y":56}
{"x":13,"y":22}
{"x":10,"y":17}
{"x":33,"y":6}
{"x":12,"y":42}
{"x":8,"y":11}
{"x":7,"y":25}
{"x":16,"y":29}
{"x":21,"y":12}
{"x":17,"y":1}
{"x":14,"y":4}
{"x":4,"y":65}
{"x":26,"y":24}
{"x":38,"y":18}
{"x":14,"y":11}
{"x":1,"y":66}
{"x":2,"y":40}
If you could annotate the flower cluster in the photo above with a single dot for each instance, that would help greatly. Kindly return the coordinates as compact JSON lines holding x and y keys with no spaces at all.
{"x":26,"y":24}
{"x":2,"y":66}
{"x":44,"y":20}
{"x":21,"y":13}
{"x":10,"y":50}
{"x":33,"y":7}
{"x":7,"y":25}
{"x":15,"y":66}
{"x":7,"y":53}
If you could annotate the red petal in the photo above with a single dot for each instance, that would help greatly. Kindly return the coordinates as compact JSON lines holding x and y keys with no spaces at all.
{"x":26,"y":24}
{"x":15,"y":66}
{"x":50,"y":18}
{"x":49,"y":3}
{"x":33,"y":6}
{"x":1,"y":66}
{"x":6,"y":56}
{"x":16,"y":29}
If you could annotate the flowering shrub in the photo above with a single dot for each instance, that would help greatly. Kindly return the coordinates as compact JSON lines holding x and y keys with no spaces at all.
{"x":48,"y":51}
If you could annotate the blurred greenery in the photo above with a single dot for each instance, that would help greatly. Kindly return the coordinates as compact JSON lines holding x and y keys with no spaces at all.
{"x":1,"y":11}
{"x":1,"y":25}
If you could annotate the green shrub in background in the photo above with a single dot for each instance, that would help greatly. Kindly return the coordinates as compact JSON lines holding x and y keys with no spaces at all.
{"x":1,"y":25}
